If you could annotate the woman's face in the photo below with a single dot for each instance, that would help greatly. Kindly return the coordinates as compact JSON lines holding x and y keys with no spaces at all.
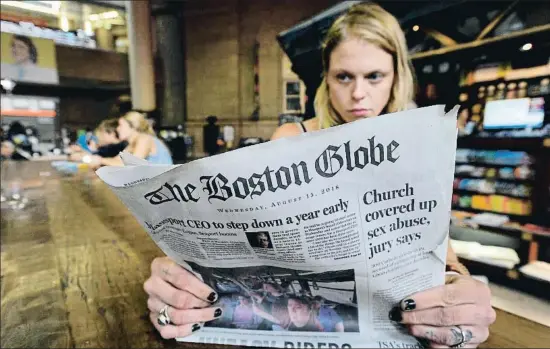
{"x":124,"y":129}
{"x":360,"y":79}
{"x":20,"y":52}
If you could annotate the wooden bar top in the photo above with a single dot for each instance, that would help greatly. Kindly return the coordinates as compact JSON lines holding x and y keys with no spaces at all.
{"x":73,"y":262}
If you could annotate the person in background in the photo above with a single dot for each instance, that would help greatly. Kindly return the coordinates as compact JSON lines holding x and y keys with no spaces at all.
{"x":108,"y":144}
{"x":142,"y":142}
{"x":85,"y":142}
{"x":17,"y":145}
{"x":6,"y":150}
{"x":366,"y":73}
{"x":211,"y":136}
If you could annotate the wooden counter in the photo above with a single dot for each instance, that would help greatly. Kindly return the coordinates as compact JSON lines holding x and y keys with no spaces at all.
{"x":74,"y":260}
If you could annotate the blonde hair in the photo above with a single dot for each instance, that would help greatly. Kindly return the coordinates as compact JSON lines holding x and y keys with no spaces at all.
{"x":371,"y":23}
{"x":138,"y":122}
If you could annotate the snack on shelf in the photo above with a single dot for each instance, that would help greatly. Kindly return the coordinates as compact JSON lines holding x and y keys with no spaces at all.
{"x":537,"y":229}
{"x":494,"y":255}
{"x":465,"y":201}
{"x":537,"y":269}
{"x":523,"y":172}
{"x":520,"y":172}
{"x":491,"y":172}
{"x":496,"y":157}
{"x":506,"y":172}
{"x":499,"y":203}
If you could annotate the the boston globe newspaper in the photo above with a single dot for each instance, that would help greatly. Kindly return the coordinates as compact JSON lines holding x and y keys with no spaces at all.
{"x":310,"y":240}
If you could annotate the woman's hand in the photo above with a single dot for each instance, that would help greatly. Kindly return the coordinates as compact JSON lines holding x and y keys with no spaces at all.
{"x":458,"y":313}
{"x":188,"y":299}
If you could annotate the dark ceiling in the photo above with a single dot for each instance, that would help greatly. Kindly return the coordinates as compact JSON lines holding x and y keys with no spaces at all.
{"x":440,"y":22}
{"x":454,"y":30}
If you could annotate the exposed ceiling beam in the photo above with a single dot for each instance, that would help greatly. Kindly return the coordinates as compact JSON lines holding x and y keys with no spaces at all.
{"x":489,"y":27}
{"x":477,"y":43}
{"x":439,"y":36}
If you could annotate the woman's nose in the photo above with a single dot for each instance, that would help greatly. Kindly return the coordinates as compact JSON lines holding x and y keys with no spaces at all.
{"x":359,"y":90}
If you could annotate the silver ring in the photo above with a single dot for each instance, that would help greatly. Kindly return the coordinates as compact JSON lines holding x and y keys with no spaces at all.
{"x":463,"y":340}
{"x":163,"y":319}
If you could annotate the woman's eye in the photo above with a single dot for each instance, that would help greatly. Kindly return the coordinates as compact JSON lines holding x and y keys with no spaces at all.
{"x":375,"y":77}
{"x":343,"y":77}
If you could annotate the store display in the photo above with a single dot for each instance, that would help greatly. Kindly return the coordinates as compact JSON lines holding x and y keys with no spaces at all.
{"x":514,"y":113}
{"x":493,"y":203}
{"x":500,"y":191}
{"x":485,"y":186}
{"x":493,"y":157}
{"x":78,"y":38}
{"x":494,"y":181}
{"x":493,"y":255}
{"x":505,"y":108}
{"x":537,"y":269}
{"x":518,"y":173}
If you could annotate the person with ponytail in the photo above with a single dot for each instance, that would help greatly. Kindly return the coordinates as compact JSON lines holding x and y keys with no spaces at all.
{"x":366,"y":73}
{"x":134,"y":128}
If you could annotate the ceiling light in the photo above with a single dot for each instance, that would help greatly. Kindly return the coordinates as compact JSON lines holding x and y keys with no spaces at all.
{"x":88,"y":28}
{"x":110,"y":14}
{"x":415,"y":28}
{"x":526,"y":47}
{"x":7,"y":84}
{"x":64,"y":24}
{"x":103,"y":15}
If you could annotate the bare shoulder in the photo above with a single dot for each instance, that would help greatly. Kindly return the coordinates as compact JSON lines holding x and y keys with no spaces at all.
{"x":286,"y":130}
{"x":145,"y":139}
{"x":294,"y":129}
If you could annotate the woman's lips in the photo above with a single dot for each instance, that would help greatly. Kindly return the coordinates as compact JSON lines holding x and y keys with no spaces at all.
{"x":360,"y":112}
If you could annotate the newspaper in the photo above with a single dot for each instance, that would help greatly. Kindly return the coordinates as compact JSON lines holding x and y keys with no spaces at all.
{"x":309,"y":240}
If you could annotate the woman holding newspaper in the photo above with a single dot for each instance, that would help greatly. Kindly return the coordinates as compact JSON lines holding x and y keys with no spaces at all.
{"x":367,"y":72}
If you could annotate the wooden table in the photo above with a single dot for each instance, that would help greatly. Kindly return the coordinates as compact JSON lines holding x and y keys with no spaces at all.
{"x":74,"y":261}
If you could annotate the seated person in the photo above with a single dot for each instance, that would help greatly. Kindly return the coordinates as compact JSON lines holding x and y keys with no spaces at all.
{"x":142,"y":142}
{"x":108,"y":145}
{"x":86,"y":142}
{"x":16,"y":145}
{"x":7,"y":150}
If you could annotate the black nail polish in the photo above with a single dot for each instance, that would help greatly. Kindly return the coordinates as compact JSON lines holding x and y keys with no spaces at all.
{"x":212,"y":297}
{"x":196,"y":327}
{"x":408,"y":304}
{"x":395,"y":315}
{"x":218,"y":312}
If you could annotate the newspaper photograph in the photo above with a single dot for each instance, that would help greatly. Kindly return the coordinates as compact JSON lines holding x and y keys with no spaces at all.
{"x":278,"y":299}
{"x":310,"y":240}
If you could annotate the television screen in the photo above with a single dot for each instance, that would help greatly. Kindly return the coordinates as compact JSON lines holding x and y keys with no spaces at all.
{"x":514,"y":113}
